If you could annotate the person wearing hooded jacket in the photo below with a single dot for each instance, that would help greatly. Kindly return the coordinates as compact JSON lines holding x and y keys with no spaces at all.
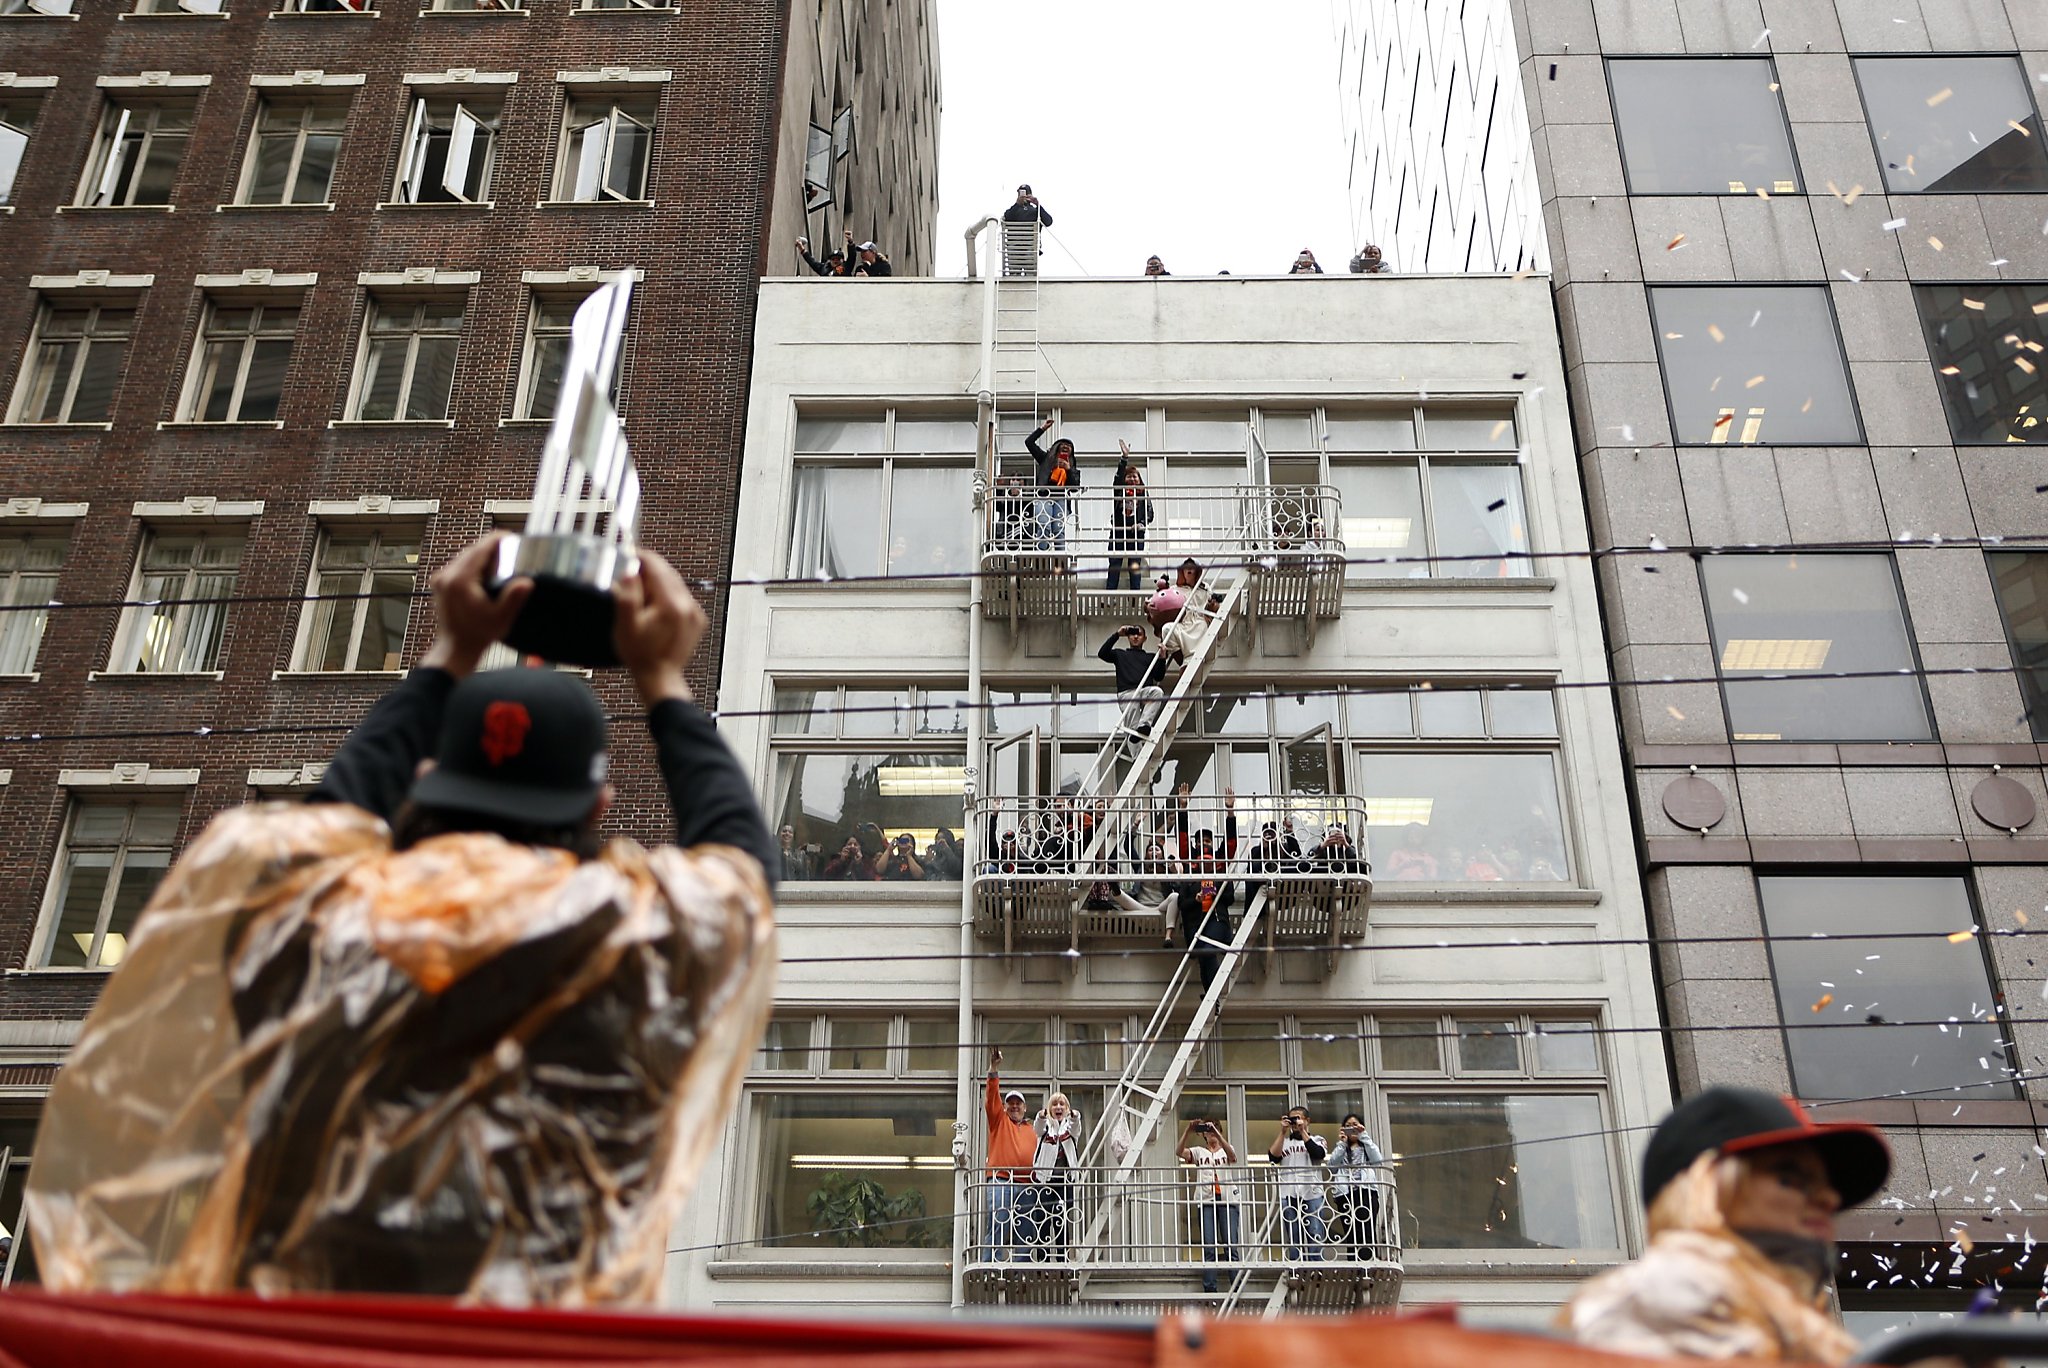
{"x":1140,"y":677}
{"x":1742,"y":1189}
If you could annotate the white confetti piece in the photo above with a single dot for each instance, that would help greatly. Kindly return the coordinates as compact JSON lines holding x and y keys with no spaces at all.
{"x":1893,"y":225}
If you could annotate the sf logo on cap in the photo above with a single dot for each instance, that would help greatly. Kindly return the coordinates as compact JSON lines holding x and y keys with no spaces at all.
{"x":505,"y":728}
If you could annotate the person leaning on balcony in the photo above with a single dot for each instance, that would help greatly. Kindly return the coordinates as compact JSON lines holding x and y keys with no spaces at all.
{"x":1354,"y":1195}
{"x":1058,"y":474}
{"x":1203,"y":1144}
{"x":1046,"y":1215}
{"x":1742,"y":1188}
{"x":866,"y":259}
{"x":1012,"y":1144}
{"x":1203,"y":893}
{"x":1300,"y":1156}
{"x":1140,"y":677}
{"x":1130,"y":510}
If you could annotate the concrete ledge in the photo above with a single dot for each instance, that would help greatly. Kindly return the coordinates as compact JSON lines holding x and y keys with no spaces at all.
{"x":935,"y":1269}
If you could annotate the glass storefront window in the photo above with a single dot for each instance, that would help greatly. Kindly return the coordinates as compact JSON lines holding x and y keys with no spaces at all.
{"x":1502,"y":1171}
{"x":855,"y":1170}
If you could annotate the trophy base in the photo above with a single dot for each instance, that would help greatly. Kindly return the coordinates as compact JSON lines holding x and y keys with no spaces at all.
{"x":568,"y":619}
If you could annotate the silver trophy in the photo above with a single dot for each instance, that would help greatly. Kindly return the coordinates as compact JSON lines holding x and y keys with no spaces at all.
{"x":579,"y":537}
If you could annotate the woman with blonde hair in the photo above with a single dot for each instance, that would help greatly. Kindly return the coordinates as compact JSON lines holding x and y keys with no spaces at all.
{"x":1742,"y":1188}
{"x":1051,"y":1211}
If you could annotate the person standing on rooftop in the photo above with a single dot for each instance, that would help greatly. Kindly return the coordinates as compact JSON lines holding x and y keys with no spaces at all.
{"x":1305,"y":264}
{"x":1369,"y":261}
{"x":1155,"y":267}
{"x":1022,"y":259}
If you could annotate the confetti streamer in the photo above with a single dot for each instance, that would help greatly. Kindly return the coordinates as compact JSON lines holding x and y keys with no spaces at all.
{"x":1935,"y":243}
{"x":1675,"y":243}
{"x":1714,"y":330}
{"x":1825,"y":999}
{"x":1958,"y":937}
{"x":1938,"y":96}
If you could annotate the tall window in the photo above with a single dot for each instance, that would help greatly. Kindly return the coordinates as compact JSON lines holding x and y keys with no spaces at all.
{"x":1750,"y":364}
{"x":1818,"y":926}
{"x":1506,"y":1169}
{"x":1991,"y":359}
{"x":606,"y":142}
{"x":851,"y":1121}
{"x":2020,"y":579}
{"x":180,"y":6}
{"x":136,"y":153}
{"x":28,"y":582}
{"x":53,"y":8}
{"x":18,"y":1121}
{"x":239,"y":372}
{"x":450,"y":146}
{"x":114,"y":855}
{"x":329,"y":6}
{"x":1702,"y":126}
{"x":626,"y":4}
{"x":362,"y":585}
{"x":184,"y":582}
{"x":548,"y":322}
{"x":17,"y":121}
{"x":1951,"y":125}
{"x":292,"y":158}
{"x":74,"y":362}
{"x":1414,"y":485}
{"x":849,"y":806}
{"x":1775,"y":618}
{"x":888,"y":495}
{"x":409,"y":351}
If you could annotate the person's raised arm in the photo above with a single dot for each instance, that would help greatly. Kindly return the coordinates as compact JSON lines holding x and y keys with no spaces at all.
{"x":1104,"y":655}
{"x":657,"y":629}
{"x":1279,"y":1145}
{"x":375,"y":766}
{"x":1181,"y":1149}
{"x":1031,"y":445}
{"x":1230,"y":824}
{"x":992,"y":1102}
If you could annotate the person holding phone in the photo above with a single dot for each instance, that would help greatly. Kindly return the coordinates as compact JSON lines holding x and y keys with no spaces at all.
{"x":1300,"y":1156}
{"x":1217,"y":1195}
{"x":1354,"y":1194}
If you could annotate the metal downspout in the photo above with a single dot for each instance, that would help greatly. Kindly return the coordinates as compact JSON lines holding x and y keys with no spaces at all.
{"x":965,"y":1099}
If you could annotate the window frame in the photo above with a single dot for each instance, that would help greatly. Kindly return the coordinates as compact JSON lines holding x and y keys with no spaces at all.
{"x":2002,"y":1041}
{"x":1947,"y":375}
{"x":1776,"y":91}
{"x":1664,"y":369}
{"x":377,"y":302}
{"x":419,"y":134}
{"x":12,"y":121}
{"x":2032,"y":678}
{"x":1856,"y":60}
{"x":53,"y":302}
{"x":195,"y":392}
{"x":11,"y":579}
{"x":100,"y":167}
{"x":884,"y":460}
{"x":538,"y":298}
{"x":50,"y":915}
{"x":568,"y":159}
{"x":304,"y":108}
{"x":350,"y":9}
{"x":130,"y":645}
{"x":377,"y":530}
{"x":1917,"y":664}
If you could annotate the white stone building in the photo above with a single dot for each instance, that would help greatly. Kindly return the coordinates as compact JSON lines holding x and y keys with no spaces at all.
{"x":1283,"y":426}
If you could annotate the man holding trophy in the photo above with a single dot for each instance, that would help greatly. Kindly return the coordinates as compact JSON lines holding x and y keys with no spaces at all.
{"x":426,"y":1033}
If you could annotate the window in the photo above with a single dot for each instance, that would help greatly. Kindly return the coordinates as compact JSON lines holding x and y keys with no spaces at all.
{"x":1988,"y":353}
{"x":625,"y":5}
{"x":605,"y":148}
{"x":1464,"y":1187}
{"x":362,"y":589}
{"x":238,"y":375}
{"x":848,"y":812}
{"x":180,"y":6}
{"x":848,"y":1157}
{"x":409,"y":351}
{"x":898,"y":502}
{"x":19,"y":1118}
{"x":450,"y":146}
{"x":2020,"y":579}
{"x":28,"y":582}
{"x":292,"y":158}
{"x":50,"y":8}
{"x":1450,"y":501}
{"x":330,"y":7}
{"x":136,"y":153}
{"x":74,"y":362}
{"x":1828,"y":974}
{"x":1747,"y":364}
{"x":1702,"y":126}
{"x":186,"y":581}
{"x":1952,"y":125}
{"x":17,"y":121}
{"x":113,"y":857}
{"x":1813,"y":614}
{"x":549,"y":319}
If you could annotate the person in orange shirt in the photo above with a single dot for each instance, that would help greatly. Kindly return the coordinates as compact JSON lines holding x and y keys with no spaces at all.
{"x":1011,"y":1144}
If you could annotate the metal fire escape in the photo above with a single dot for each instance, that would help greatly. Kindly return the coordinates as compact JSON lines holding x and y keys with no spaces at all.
{"x":1043,"y":858}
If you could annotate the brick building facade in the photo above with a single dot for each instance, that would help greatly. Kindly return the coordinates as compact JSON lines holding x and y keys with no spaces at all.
{"x":275,"y":316}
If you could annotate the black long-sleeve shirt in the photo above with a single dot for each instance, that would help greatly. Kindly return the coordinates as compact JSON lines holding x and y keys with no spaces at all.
{"x":1023,"y":212}
{"x":1044,"y":460}
{"x":1134,"y":665}
{"x":707,"y":790}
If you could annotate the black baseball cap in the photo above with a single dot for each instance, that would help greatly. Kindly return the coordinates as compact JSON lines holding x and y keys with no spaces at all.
{"x":526,"y":745}
{"x":1740,"y":1120}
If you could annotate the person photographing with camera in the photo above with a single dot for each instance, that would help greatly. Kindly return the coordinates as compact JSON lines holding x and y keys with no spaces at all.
{"x":1300,"y":1156}
{"x":1217,"y":1195}
{"x":1354,"y":1198}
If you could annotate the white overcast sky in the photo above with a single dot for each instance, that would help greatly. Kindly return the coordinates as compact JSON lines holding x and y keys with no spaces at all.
{"x":1204,"y":130}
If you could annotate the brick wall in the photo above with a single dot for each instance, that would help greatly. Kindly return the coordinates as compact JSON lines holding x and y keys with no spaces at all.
{"x":684,"y":391}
